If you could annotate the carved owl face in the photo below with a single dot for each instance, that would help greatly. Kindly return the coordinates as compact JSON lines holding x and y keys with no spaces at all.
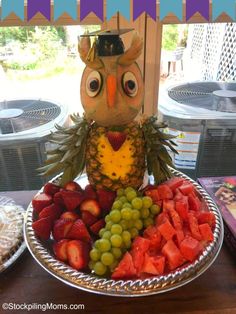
{"x":112,"y":88}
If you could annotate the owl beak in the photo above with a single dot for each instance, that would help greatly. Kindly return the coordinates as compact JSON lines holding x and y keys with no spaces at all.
{"x":111,"y":90}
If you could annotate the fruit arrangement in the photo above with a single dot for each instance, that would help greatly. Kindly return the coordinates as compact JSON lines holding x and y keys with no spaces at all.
{"x":128,"y":234}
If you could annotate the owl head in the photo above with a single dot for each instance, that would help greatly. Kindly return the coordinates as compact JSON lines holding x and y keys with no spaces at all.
{"x":112,"y":88}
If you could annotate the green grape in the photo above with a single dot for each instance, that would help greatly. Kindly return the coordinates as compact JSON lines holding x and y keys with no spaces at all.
{"x":116,"y":240}
{"x":145,"y":213}
{"x":155,"y":209}
{"x":123,"y":199}
{"x":124,"y":224}
{"x":115,"y":215}
{"x":106,"y":235}
{"x":120,"y":192}
{"x":135,"y":214}
{"x":101,"y":232}
{"x":108,"y":226}
{"x":129,"y":189}
{"x":137,"y":203}
{"x":147,"y":202}
{"x":117,"y":205}
{"x":133,"y":232}
{"x":148,"y":222}
{"x":99,"y":268}
{"x":103,"y":245}
{"x":91,"y":265}
{"x":127,"y":205}
{"x":131,"y":223}
{"x":116,"y":252}
{"x":128,"y":244}
{"x":107,"y":258}
{"x":95,"y":255}
{"x":107,"y":218}
{"x":126,"y":213}
{"x":138,"y":224}
{"x":131,"y":195}
{"x":113,"y":266}
{"x":116,"y":229}
{"x":126,"y":236}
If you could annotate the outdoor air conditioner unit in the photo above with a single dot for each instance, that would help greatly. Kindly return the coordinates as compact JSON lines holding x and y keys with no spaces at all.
{"x":25,"y":126}
{"x":203,"y":117}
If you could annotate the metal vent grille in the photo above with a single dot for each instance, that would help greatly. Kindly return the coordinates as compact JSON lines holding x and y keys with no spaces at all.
{"x":217,"y":154}
{"x":227,"y":64}
{"x":34,"y":114}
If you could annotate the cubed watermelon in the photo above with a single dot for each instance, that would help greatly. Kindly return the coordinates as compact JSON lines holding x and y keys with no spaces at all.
{"x":178,"y":195}
{"x":190,"y":248}
{"x":173,"y":255}
{"x":193,"y":225}
{"x":167,"y":231}
{"x":125,"y":269}
{"x":194,"y":202}
{"x":168,"y":205}
{"x":165,"y":192}
{"x":139,"y":247}
{"x":161,"y":218}
{"x":153,"y":265}
{"x":174,"y":183}
{"x":154,"y":235}
{"x":186,"y":188}
{"x":175,"y":219}
{"x":182,"y":207}
{"x":206,"y":217}
{"x":206,"y":232}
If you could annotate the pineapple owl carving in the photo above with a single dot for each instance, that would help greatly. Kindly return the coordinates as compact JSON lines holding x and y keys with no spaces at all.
{"x":114,"y":149}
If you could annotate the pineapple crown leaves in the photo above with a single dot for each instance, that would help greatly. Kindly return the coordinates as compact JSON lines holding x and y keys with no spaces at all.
{"x":69,"y":155}
{"x":157,"y":143}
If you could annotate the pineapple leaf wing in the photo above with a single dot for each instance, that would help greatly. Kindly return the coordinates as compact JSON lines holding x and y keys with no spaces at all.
{"x":69,"y":155}
{"x":157,"y":155}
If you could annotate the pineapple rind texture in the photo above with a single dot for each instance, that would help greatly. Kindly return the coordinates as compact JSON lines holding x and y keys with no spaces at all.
{"x":115,"y":169}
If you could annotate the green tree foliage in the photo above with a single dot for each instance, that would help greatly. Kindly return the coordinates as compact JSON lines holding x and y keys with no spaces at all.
{"x":170,"y":37}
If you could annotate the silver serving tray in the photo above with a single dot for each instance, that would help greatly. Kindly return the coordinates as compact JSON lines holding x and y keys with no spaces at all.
{"x":42,"y":253}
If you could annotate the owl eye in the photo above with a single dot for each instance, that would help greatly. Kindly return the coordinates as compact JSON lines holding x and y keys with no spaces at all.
{"x":93,"y":84}
{"x":130,"y":84}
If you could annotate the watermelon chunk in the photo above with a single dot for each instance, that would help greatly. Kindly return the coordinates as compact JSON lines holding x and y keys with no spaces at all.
{"x":125,"y":269}
{"x":190,"y":248}
{"x":153,"y":234}
{"x":194,"y":202}
{"x":165,"y":192}
{"x":193,"y":225}
{"x":167,"y":230}
{"x":206,"y":232}
{"x":182,"y":207}
{"x":187,"y":188}
{"x":139,"y":247}
{"x":153,"y":265}
{"x":161,"y":218}
{"x":176,"y":220}
{"x":174,"y":183}
{"x":206,"y":217}
{"x":173,"y":255}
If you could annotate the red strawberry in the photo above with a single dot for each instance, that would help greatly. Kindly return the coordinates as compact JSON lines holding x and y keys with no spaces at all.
{"x":41,"y":201}
{"x":71,"y":199}
{"x":95,"y":228}
{"x":90,"y":193}
{"x":116,"y":139}
{"x":60,"y":250}
{"x":70,"y":216}
{"x":42,"y":228}
{"x":91,"y":206}
{"x":78,"y":231}
{"x":78,"y":254}
{"x":88,"y":218}
{"x":51,"y":188}
{"x":58,"y":199}
{"x":61,"y":229}
{"x":106,"y":199}
{"x":53,"y":211}
{"x":73,"y":186}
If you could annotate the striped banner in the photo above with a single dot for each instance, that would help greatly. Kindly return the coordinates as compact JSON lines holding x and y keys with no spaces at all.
{"x":62,"y":6}
{"x":174,"y":6}
{"x":13,"y":6}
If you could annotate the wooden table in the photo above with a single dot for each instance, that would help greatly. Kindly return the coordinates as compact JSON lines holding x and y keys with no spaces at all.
{"x":212,"y":292}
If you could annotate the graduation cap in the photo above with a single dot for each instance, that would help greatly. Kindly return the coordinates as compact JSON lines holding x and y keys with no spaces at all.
{"x":108,"y":42}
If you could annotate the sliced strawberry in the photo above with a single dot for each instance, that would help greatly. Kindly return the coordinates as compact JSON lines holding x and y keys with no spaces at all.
{"x":78,"y":231}
{"x":91,"y":206}
{"x":73,"y":186}
{"x":42,"y":228}
{"x":106,"y":199}
{"x":95,"y":228}
{"x":53,"y":211}
{"x":58,"y":199}
{"x":41,"y":201}
{"x":88,"y":218}
{"x":61,"y":229}
{"x":90,"y":193}
{"x":70,"y":216}
{"x":116,"y":139}
{"x":51,"y":188}
{"x":78,"y":254}
{"x":60,"y":250}
{"x":72,"y":199}
{"x":125,"y":269}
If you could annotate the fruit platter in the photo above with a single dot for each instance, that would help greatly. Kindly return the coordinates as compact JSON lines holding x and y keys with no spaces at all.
{"x":117,"y":219}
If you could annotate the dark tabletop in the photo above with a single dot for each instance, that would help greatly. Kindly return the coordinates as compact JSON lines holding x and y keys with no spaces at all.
{"x":212,"y":292}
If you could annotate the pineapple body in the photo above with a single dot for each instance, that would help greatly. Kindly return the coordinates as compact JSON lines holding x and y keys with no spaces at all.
{"x":111,"y":169}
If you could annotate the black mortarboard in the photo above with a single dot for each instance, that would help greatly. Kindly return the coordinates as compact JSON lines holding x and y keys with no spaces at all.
{"x":109,"y":42}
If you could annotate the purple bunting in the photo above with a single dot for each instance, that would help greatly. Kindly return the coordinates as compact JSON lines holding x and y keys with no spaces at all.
{"x":144,"y":6}
{"x":88,"y":6}
{"x":194,"y":6}
{"x":39,"y":6}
